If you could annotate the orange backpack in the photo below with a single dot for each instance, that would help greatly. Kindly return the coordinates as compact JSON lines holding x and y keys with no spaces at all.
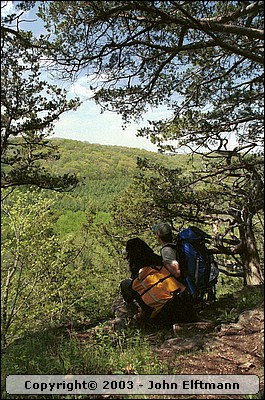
{"x":156,"y":286}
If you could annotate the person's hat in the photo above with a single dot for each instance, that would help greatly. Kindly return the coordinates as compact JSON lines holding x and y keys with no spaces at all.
{"x":163,"y":228}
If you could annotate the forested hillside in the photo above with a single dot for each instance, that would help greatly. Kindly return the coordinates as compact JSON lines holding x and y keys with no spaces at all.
{"x":103,"y":172}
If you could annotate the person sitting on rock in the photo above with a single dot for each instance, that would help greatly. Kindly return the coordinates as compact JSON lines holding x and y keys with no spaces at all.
{"x":161,"y":297}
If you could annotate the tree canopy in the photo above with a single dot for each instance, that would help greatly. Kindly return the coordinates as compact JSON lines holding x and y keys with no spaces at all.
{"x":203,"y":60}
{"x":29,"y":107}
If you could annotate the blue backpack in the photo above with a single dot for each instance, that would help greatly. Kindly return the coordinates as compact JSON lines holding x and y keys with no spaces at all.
{"x":197,"y":264}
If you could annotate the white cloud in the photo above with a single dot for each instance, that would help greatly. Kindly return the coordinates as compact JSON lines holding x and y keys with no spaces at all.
{"x":82,"y":86}
{"x":77,"y":89}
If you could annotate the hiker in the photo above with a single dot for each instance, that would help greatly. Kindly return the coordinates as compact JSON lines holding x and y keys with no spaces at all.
{"x":164,"y":236}
{"x":160,"y":296}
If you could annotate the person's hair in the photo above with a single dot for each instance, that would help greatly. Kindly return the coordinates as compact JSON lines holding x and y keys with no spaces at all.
{"x":168,"y":237}
{"x":164,"y":230}
{"x":141,"y":255}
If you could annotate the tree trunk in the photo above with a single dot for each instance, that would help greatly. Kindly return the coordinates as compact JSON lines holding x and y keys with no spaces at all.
{"x":249,"y":254}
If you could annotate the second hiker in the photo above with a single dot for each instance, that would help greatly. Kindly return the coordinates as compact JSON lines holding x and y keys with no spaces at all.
{"x":164,"y":236}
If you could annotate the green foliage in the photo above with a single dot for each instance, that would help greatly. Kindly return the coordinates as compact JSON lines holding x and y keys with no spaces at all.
{"x":70,"y":222}
{"x":88,"y":285}
{"x":227,"y":285}
{"x":39,"y":285}
{"x":103,"y":270}
{"x":250,"y":297}
{"x":103,"y":352}
{"x":121,"y":352}
{"x":228,"y":317}
{"x":240,"y":298}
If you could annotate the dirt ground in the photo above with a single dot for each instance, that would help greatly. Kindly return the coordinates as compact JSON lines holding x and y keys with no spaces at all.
{"x":226,"y":349}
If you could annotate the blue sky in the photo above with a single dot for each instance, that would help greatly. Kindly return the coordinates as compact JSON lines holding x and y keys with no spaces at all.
{"x":88,"y":123}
